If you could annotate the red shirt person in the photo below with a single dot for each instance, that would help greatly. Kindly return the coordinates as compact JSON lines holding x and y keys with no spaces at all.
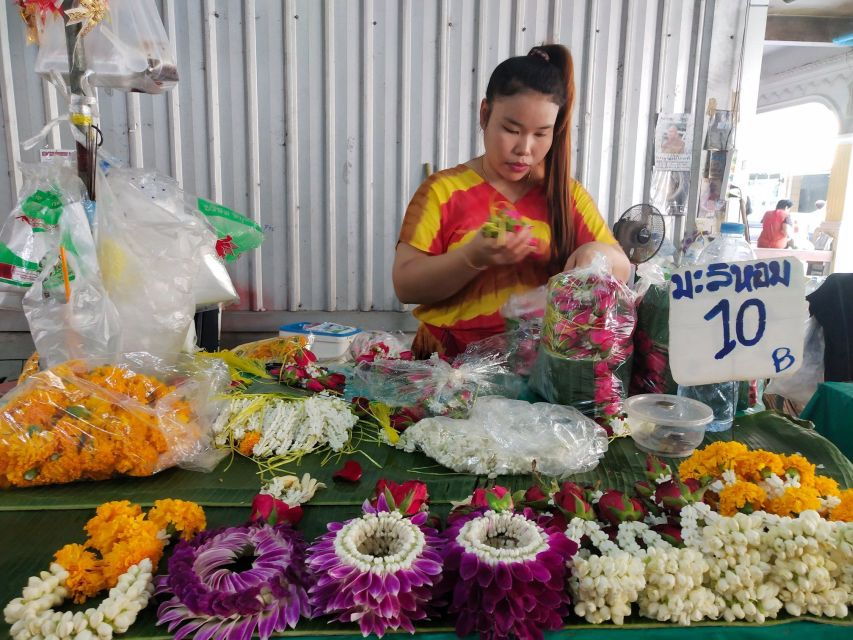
{"x":777,"y":227}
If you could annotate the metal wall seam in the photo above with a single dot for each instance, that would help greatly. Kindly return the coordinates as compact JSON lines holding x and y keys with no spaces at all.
{"x":174,"y":111}
{"x":367,"y":200}
{"x":480,"y":73}
{"x":623,"y":63}
{"x":441,"y":106}
{"x":699,"y":10}
{"x":252,"y":129}
{"x":555,"y":23}
{"x":584,"y":97}
{"x":405,"y":102}
{"x":134,"y":130}
{"x":13,"y":148}
{"x":517,"y":25}
{"x":329,"y":114}
{"x":291,"y":168}
{"x":211,"y":75}
{"x":654,"y":98}
{"x":51,"y":110}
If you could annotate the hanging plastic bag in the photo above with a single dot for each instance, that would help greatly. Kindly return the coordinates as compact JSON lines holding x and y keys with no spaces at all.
{"x":432,"y":387}
{"x":212,"y":285}
{"x":27,"y":232}
{"x":128,"y":49}
{"x":87,"y":420}
{"x":650,"y":372}
{"x":800,"y":386}
{"x":584,"y":355}
{"x":149,"y":257}
{"x":510,"y":437}
{"x":235,"y":233}
{"x":67,"y":308}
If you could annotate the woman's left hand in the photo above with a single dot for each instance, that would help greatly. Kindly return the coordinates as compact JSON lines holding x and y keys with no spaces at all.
{"x":616,"y":258}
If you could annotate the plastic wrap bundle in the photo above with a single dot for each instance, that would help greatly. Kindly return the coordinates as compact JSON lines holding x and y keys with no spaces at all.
{"x":372,"y":345}
{"x":584,"y":355}
{"x":800,"y":386}
{"x":85,"y":420}
{"x":29,"y":229}
{"x":506,"y":437}
{"x":128,"y":49}
{"x":650,"y":368}
{"x":433,"y":387}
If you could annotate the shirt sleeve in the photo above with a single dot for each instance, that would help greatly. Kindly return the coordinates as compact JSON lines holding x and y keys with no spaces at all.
{"x":422,"y":221}
{"x":589,"y":225}
{"x":787,"y":220}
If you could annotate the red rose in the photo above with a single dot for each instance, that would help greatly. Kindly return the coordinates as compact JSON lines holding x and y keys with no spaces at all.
{"x":412,"y":494}
{"x":272,"y":511}
{"x":314,"y":385}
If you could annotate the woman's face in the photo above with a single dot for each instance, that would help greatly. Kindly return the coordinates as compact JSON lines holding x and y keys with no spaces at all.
{"x":517,"y":132}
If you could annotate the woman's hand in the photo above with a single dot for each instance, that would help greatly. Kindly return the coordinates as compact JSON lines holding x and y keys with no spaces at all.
{"x":484,"y":252}
{"x":617,"y":261}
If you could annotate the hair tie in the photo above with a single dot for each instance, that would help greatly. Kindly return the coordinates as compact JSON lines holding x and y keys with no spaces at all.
{"x":542,"y":54}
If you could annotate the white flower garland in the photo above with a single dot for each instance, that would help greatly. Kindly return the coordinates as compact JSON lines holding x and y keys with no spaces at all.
{"x":482,"y":536}
{"x":285,"y":425}
{"x":32,"y":616}
{"x":291,"y":490}
{"x":383,"y":542}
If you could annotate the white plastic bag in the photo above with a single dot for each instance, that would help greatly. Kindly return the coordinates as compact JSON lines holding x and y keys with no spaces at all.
{"x":87,"y":324}
{"x":149,"y":257}
{"x":29,"y":229}
{"x":800,"y":386}
{"x":129,"y":49}
{"x":506,"y":437}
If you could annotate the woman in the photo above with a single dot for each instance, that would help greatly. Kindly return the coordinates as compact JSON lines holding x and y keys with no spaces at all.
{"x":777,"y":227}
{"x":458,"y":276}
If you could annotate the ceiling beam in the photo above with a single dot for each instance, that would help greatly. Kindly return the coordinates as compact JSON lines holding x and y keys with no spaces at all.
{"x":806,"y":30}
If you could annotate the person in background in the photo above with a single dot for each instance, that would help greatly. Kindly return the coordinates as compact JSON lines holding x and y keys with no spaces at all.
{"x":444,"y":263}
{"x":777,"y":227}
{"x":815,"y":218}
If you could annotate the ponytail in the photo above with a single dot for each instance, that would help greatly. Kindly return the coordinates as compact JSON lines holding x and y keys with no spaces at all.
{"x":548,"y":69}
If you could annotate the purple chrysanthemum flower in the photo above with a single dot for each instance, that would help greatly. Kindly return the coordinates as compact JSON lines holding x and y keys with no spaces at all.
{"x":507,"y":575}
{"x":214,"y":602}
{"x":379,"y":570}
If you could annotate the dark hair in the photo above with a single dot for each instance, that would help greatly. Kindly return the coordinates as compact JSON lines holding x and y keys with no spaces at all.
{"x":784,"y":204}
{"x":547,"y":69}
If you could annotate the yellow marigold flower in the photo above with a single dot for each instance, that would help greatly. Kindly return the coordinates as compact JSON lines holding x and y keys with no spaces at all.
{"x":123,"y":555}
{"x":801,"y":467}
{"x":826,"y":486}
{"x":113,"y":522}
{"x":739,"y":496}
{"x":84,"y":578}
{"x":844,"y":511}
{"x":187,"y":518}
{"x":754,"y":466}
{"x":711,"y":460}
{"x":247,"y":444}
{"x":794,"y":501}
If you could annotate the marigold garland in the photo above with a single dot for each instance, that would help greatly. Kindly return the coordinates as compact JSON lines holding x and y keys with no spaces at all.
{"x":844,"y":511}
{"x":741,"y":496}
{"x":74,"y":422}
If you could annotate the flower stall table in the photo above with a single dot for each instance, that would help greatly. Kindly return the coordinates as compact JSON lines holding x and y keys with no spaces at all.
{"x":35,"y":522}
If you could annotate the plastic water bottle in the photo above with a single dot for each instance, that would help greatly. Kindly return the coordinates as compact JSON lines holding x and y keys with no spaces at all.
{"x":730,"y":246}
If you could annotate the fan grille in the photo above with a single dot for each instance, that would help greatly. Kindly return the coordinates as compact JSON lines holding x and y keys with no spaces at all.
{"x":640,"y":231}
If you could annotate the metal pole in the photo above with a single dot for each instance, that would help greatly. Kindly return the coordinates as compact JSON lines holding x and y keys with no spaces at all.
{"x":83,"y":107}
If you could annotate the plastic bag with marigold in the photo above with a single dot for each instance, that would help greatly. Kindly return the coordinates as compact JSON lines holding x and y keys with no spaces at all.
{"x":90,"y":420}
{"x":585,"y":353}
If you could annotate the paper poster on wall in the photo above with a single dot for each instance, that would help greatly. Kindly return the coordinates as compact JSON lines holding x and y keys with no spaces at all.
{"x":673,"y":141}
{"x":719,"y":137}
{"x":736,"y":320}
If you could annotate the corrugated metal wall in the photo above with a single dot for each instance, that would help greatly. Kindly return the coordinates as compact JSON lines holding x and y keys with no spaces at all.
{"x":317,"y":117}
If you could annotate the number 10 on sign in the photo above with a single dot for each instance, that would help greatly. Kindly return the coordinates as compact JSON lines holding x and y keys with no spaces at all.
{"x":736,"y":321}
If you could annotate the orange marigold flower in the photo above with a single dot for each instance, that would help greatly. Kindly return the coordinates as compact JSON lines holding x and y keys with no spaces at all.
{"x":113,"y":521}
{"x":712,"y":460}
{"x":798,"y":466}
{"x":84,"y":577}
{"x":754,"y":466}
{"x":794,"y":501}
{"x":826,"y":486}
{"x":741,"y":496}
{"x":844,"y":511}
{"x":187,"y":518}
{"x":247,"y":444}
{"x":123,"y":555}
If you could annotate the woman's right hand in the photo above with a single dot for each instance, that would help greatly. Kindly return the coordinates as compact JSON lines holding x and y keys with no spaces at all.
{"x":489,"y":252}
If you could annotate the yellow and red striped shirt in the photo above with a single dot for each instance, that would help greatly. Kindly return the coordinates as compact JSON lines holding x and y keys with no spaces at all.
{"x":447,"y":210}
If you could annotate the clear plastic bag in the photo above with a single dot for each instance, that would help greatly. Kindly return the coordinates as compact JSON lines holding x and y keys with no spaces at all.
{"x":434,"y":387}
{"x":370,"y":345}
{"x":86,"y":324}
{"x":800,"y":386}
{"x":87,"y":420}
{"x":507,"y":437}
{"x":127,"y":50}
{"x":212,"y":285}
{"x":650,"y":372}
{"x":586,"y":346}
{"x":149,"y":257}
{"x":31,"y":226}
